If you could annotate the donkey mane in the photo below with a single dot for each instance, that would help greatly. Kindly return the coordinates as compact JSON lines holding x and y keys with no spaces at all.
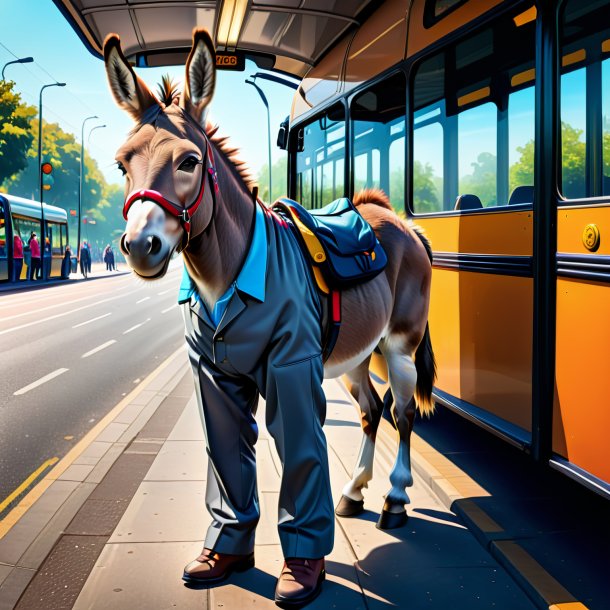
{"x":231,"y":154}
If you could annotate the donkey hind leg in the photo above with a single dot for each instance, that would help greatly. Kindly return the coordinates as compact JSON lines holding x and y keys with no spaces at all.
{"x":402,"y":378}
{"x":371,"y":407}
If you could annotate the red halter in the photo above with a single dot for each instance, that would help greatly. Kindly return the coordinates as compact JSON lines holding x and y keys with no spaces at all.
{"x":185,"y":214}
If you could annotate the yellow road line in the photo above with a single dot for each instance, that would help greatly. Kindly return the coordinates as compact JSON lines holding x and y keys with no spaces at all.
{"x":24,"y":505}
{"x":27,"y":482}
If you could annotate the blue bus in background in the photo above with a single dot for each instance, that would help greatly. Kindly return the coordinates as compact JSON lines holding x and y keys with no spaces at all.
{"x":19,"y":216}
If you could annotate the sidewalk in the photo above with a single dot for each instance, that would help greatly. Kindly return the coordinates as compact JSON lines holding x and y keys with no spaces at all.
{"x":116,"y":524}
{"x":98,"y":270}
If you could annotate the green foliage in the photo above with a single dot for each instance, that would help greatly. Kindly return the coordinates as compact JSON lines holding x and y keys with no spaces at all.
{"x":63,"y":151}
{"x":15,"y":134}
{"x":482,"y":181}
{"x":279,"y":175}
{"x":427,"y":196}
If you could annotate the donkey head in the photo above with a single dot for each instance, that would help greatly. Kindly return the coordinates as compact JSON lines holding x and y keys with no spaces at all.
{"x":165,"y":159}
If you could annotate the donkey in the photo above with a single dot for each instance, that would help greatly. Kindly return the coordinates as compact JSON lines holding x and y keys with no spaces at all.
{"x":187,"y":193}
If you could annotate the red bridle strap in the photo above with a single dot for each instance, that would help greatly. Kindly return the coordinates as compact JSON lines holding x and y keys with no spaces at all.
{"x":185,"y":214}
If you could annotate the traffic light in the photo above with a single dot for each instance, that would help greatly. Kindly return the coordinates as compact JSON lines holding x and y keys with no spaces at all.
{"x":47,"y":174}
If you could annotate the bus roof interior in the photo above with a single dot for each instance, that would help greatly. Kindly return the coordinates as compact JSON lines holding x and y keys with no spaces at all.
{"x":289,"y":36}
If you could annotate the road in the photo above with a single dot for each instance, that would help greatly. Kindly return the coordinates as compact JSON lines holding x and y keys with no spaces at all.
{"x":69,"y":353}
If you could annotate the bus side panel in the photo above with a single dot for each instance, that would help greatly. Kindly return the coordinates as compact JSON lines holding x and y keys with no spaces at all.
{"x":481,"y":323}
{"x":481,"y":327}
{"x":379,"y":44}
{"x":571,"y":223}
{"x":504,"y":233}
{"x":420,"y":36}
{"x":581,"y":410}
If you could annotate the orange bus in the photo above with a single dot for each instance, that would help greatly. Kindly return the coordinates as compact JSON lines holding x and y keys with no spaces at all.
{"x":488,"y":123}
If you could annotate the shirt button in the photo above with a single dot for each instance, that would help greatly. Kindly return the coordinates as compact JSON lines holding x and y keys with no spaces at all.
{"x":221,"y":339}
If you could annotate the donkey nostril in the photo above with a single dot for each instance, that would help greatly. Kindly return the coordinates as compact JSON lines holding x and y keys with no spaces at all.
{"x":124,"y":244}
{"x":155,"y":244}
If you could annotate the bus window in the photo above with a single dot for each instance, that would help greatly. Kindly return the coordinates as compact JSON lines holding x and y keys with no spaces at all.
{"x":24,"y":227}
{"x":64,"y":237}
{"x":320,"y":159}
{"x":378,"y":138}
{"x":473,"y":120}
{"x":477,"y":146}
{"x":585,"y":99}
{"x":55,"y":236}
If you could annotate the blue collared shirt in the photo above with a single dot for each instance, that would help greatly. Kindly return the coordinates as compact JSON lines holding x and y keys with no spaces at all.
{"x":251,"y":278}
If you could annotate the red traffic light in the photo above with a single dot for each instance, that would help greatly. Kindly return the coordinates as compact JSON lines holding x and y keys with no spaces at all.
{"x":47,"y":168}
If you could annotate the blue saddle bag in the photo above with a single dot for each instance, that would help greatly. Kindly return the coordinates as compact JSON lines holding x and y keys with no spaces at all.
{"x":353,"y":254}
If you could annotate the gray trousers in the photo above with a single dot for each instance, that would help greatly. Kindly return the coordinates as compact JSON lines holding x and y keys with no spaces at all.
{"x":295,"y":410}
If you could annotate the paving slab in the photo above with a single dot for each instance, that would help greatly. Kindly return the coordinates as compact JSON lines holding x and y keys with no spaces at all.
{"x":23,"y":533}
{"x":164,"y":511}
{"x":13,"y":587}
{"x":188,"y":426}
{"x":180,"y":461}
{"x":142,"y":576}
{"x":73,"y":556}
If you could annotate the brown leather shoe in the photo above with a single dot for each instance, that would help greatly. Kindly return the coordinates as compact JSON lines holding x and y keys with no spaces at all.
{"x":210,"y":568}
{"x":300,"y":582}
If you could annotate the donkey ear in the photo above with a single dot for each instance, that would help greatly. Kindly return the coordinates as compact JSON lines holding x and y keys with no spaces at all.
{"x":128,"y":90}
{"x":200,"y":76}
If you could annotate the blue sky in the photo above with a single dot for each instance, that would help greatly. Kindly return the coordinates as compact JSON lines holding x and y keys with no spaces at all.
{"x":36,"y":28}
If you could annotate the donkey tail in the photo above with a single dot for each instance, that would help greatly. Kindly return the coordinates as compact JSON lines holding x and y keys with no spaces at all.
{"x":373,"y":196}
{"x":425,"y":365}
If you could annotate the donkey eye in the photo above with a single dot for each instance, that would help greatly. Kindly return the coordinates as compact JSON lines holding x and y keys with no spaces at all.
{"x":189,"y":164}
{"x":121,"y":168}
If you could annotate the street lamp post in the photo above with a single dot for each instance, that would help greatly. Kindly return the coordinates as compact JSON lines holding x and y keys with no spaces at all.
{"x":42,"y":231}
{"x":88,"y":140}
{"x":22,"y":60}
{"x":260,"y":92}
{"x":80,"y":183}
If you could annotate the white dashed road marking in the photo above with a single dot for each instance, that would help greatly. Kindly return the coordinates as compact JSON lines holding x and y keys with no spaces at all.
{"x":99,"y":348}
{"x":92,"y":320}
{"x":42,"y":380}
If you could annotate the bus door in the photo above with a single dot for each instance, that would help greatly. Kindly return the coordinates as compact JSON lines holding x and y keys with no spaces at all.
{"x":5,"y":246}
{"x":581,"y":410}
{"x":318,"y":156}
{"x":471,"y":187}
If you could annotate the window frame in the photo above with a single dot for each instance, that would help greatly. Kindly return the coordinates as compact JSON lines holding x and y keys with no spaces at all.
{"x":351,"y":97}
{"x":293,"y":146}
{"x":412,"y":66}
{"x":589,"y":177}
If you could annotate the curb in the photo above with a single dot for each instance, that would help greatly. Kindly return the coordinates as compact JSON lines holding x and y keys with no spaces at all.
{"x":455,"y":490}
{"x":31,"y":530}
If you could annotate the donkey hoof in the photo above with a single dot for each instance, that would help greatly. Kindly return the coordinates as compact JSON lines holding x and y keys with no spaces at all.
{"x":348,"y":507}
{"x":390,"y":521}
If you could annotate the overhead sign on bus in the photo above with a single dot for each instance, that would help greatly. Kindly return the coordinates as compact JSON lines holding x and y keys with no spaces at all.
{"x":230,"y":61}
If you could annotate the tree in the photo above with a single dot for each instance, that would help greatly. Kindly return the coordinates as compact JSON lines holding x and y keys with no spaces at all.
{"x":62,"y":150}
{"x":15,"y":134}
{"x":482,"y":181}
{"x":280,"y":176}
{"x":426,"y":195}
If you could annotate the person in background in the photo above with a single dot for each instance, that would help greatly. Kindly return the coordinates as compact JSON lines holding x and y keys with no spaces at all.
{"x":46,"y":271}
{"x":34,"y":269}
{"x":66,"y":263}
{"x":90,"y":256}
{"x":17,"y":257}
{"x":85,"y":259}
{"x":111,"y":255}
{"x":107,"y":254}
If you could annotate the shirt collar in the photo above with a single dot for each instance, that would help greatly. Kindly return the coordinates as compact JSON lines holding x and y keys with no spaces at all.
{"x":251,"y":278}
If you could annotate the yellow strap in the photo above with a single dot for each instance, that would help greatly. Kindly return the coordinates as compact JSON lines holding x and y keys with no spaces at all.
{"x":311,"y":241}
{"x":320,"y":280}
